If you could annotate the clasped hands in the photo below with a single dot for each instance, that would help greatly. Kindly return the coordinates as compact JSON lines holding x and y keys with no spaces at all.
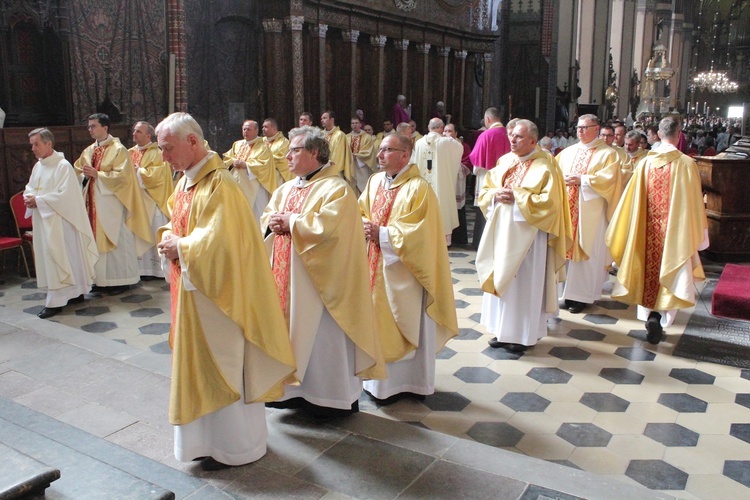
{"x":572,"y":180}
{"x":89,"y":171}
{"x":29,"y":200}
{"x":168,"y":245}
{"x":505,"y":195}
{"x":279,"y":222}
{"x":372,"y":230}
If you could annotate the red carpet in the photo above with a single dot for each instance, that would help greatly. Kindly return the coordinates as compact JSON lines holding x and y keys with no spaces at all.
{"x":731,"y":298}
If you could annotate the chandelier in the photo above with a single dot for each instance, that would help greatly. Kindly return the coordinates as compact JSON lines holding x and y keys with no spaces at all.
{"x":713,"y":81}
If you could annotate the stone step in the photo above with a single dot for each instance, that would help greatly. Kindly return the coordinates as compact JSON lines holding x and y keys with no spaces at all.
{"x":22,"y":476}
{"x":89,"y":466}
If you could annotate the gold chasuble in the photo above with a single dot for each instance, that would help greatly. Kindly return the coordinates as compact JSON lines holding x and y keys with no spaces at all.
{"x":328,"y":236}
{"x":156,"y":175}
{"x":628,"y":166}
{"x":409,"y":209}
{"x":602,"y":164}
{"x":341,"y":155}
{"x":539,"y":191}
{"x":259,"y":161}
{"x":279,"y":146}
{"x":656,"y":232}
{"x":227,"y":288}
{"x":361,"y":146}
{"x":116,"y":173}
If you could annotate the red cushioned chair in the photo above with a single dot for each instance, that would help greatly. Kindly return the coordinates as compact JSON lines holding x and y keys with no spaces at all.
{"x":23,"y":230}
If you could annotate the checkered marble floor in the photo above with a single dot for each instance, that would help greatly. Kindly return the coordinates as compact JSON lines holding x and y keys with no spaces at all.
{"x":593,"y":394}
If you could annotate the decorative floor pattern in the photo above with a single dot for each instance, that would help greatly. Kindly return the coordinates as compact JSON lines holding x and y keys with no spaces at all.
{"x":592,"y":395}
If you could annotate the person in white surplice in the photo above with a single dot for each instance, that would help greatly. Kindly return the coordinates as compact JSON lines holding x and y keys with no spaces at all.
{"x":64,"y":246}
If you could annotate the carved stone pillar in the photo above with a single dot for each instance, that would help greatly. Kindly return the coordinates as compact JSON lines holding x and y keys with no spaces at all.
{"x":424,"y":50}
{"x":487,"y":80}
{"x":677,"y":92}
{"x":322,"y":29}
{"x":402,"y":45}
{"x":461,"y":58}
{"x":352,"y":36}
{"x":274,"y":77}
{"x":443,"y":52}
{"x":295,"y":24}
{"x":178,"y":47}
{"x":378,"y":41}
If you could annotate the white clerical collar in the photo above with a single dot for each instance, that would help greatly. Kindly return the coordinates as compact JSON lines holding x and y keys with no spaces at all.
{"x":587,"y":145}
{"x":105,"y":142}
{"x":193,"y":171}
{"x":664,"y":147}
{"x":53,"y":158}
{"x":143,"y":148}
{"x":388,"y":180}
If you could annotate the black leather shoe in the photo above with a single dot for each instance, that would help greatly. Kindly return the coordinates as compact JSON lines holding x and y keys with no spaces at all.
{"x":576,"y":307}
{"x":78,"y":300}
{"x":496,"y":344}
{"x":288,"y":404}
{"x":515,"y":347}
{"x":210,"y":464}
{"x":653,"y":328}
{"x":48,"y":312}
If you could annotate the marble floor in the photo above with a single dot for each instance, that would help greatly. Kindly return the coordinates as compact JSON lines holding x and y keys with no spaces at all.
{"x":592,"y":395}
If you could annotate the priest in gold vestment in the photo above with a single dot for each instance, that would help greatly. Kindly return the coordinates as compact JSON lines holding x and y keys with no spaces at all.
{"x":410,"y":276}
{"x":115,"y":206}
{"x":634,"y":152}
{"x":340,"y":154}
{"x":524,"y":243}
{"x":155,"y":179}
{"x":656,"y":233}
{"x":228,"y":335}
{"x":252,"y":166}
{"x":279,"y":146}
{"x":593,"y":179}
{"x":362,"y":146}
{"x":319,"y":261}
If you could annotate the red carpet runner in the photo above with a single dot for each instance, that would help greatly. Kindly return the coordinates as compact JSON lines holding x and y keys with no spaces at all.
{"x":731,"y":298}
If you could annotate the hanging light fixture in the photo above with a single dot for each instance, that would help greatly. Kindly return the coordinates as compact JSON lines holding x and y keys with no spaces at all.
{"x":713,"y":81}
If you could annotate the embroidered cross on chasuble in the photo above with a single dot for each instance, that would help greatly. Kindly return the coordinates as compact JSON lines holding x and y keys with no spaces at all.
{"x":580,"y":167}
{"x":515,"y":174}
{"x":657,"y":216}
{"x":96,"y":162}
{"x":356,"y":141}
{"x":180,"y":216}
{"x":244,"y":152}
{"x":379,"y":214}
{"x":282,"y":247}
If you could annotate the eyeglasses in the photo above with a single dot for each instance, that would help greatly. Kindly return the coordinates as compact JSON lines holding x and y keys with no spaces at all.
{"x":584,"y":127}
{"x":390,"y":150}
{"x":606,"y":135}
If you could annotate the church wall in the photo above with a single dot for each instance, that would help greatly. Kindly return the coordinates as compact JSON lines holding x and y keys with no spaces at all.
{"x":123,"y":44}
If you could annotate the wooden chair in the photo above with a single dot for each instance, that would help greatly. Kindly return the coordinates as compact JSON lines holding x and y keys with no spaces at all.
{"x":23,"y":230}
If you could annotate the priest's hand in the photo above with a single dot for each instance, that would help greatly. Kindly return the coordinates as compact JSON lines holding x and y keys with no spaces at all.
{"x":372,"y":231}
{"x":505,"y":195}
{"x":279,"y":223}
{"x":29,"y":200}
{"x":239,"y":164}
{"x":572,"y":180}
{"x":89,"y":171}
{"x":168,"y":246}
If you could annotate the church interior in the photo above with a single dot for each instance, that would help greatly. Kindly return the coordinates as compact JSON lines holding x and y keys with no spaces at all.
{"x":592,"y":411}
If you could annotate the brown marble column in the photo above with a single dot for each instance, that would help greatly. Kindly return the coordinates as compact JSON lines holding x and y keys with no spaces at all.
{"x":295,"y":24}
{"x":352,"y":36}
{"x":487,"y":80}
{"x":272,"y":29}
{"x":402,"y":45}
{"x":378,"y":41}
{"x":322,"y":29}
{"x":424,"y":51}
{"x":443,"y":52}
{"x":461,"y":73}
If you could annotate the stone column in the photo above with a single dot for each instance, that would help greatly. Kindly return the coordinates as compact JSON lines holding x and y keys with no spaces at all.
{"x":461,"y":58}
{"x":352,"y":36}
{"x":676,"y":91}
{"x":322,"y":29}
{"x":402,"y":45}
{"x":593,"y":50}
{"x":621,"y":41}
{"x":178,"y":47}
{"x":272,"y":29}
{"x":424,"y":50}
{"x":487,"y":80}
{"x":295,"y":24}
{"x":378,"y":41}
{"x":443,"y":52}
{"x":644,"y":34}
